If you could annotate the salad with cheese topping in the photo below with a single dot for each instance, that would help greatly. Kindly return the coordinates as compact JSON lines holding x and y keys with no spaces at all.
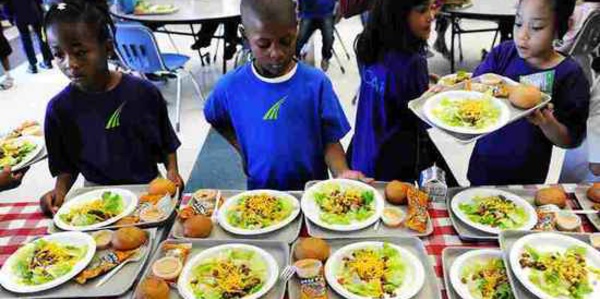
{"x":258,"y":211}
{"x":495,"y":211}
{"x":344,"y":205}
{"x":472,"y":113}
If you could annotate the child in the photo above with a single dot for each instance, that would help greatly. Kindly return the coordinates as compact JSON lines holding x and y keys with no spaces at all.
{"x":112,"y":128}
{"x":26,"y":13}
{"x":283,"y":117}
{"x":317,"y":14}
{"x":5,"y":51}
{"x":520,"y":152}
{"x":593,"y":132}
{"x":389,"y":141}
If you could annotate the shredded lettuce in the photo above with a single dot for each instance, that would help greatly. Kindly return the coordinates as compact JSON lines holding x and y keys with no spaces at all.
{"x":344,"y":205}
{"x":468,"y":112}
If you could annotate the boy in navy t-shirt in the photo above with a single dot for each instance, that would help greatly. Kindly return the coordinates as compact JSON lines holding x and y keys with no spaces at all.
{"x":110,"y":127}
{"x":282,"y":116}
{"x":317,"y":14}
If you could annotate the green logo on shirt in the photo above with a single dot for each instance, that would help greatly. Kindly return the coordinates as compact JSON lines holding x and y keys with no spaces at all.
{"x":114,"y":120}
{"x":273,"y":112}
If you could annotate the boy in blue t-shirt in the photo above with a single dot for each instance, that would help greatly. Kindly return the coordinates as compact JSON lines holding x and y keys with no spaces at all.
{"x":317,"y":14}
{"x":283,"y":117}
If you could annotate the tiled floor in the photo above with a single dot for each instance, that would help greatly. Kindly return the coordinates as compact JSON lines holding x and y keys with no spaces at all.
{"x":32,"y":92}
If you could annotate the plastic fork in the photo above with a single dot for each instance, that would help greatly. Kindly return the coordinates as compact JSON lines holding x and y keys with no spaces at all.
{"x":136,"y":257}
{"x":287,"y":273}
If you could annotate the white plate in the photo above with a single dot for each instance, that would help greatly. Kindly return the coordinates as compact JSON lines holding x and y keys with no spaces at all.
{"x":222,"y":212}
{"x":312,"y":210}
{"x":8,"y":279}
{"x":129,"y":200}
{"x":272,"y":268}
{"x":482,"y":255}
{"x":547,"y":242}
{"x":412,"y":283}
{"x":434,"y":101}
{"x":38,"y":141}
{"x":467,"y":196}
{"x":451,"y":77}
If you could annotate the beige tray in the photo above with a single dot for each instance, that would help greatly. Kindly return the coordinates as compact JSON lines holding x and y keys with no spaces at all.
{"x":287,"y":234}
{"x":430,"y":290}
{"x":279,"y":250}
{"x":416,"y":106}
{"x":138,"y":190}
{"x":370,"y":231}
{"x":118,"y":285}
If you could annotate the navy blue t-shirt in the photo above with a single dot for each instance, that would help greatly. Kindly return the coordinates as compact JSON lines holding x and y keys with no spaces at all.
{"x":520,"y":152}
{"x":310,"y":9}
{"x":385,"y":141}
{"x":282,"y":125}
{"x":111,"y":138}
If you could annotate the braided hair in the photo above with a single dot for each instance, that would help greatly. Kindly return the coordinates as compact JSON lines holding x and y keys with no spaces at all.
{"x":82,"y":11}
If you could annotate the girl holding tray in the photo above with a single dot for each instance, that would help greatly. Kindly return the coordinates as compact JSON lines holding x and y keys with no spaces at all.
{"x":520,"y":152}
{"x":389,"y":140}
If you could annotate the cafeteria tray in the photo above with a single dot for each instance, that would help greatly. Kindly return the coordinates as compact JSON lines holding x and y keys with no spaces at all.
{"x":430,"y":289}
{"x":449,"y":255}
{"x":375,"y":230}
{"x":507,"y":240}
{"x":279,"y":250}
{"x":586,"y":204}
{"x":138,"y":190}
{"x":287,"y":234}
{"x":118,"y":285}
{"x":471,"y":234}
{"x":417,"y":105}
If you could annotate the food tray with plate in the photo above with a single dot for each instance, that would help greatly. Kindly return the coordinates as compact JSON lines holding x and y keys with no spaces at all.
{"x":118,"y":285}
{"x":287,"y":234}
{"x":417,"y":106}
{"x":507,"y":239}
{"x":449,"y":255}
{"x":168,"y":208}
{"x":279,"y":250}
{"x":430,"y":289}
{"x":468,"y":233}
{"x":586,"y":204}
{"x":370,"y":231}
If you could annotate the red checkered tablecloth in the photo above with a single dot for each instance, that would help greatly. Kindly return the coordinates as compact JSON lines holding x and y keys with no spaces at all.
{"x":21,"y":222}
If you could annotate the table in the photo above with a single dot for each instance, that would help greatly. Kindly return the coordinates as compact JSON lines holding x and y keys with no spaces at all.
{"x":21,"y":222}
{"x":190,"y":12}
{"x":502,"y":12}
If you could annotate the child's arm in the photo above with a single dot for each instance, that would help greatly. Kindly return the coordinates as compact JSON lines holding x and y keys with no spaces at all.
{"x":229,"y":134}
{"x":554,"y":130}
{"x":335,"y":157}
{"x":53,"y":199}
{"x":173,"y":170}
{"x":9,"y":179}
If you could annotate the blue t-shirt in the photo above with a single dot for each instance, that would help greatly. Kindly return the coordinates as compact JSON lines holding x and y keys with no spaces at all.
{"x":520,"y":152}
{"x":310,"y":9}
{"x":111,"y":138}
{"x":282,"y":127}
{"x":385,"y":141}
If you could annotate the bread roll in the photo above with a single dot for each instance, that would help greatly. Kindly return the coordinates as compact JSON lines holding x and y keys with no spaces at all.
{"x":551,"y":195}
{"x":128,"y":238}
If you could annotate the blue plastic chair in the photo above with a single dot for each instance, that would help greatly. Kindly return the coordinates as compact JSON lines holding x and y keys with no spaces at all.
{"x":139,"y":52}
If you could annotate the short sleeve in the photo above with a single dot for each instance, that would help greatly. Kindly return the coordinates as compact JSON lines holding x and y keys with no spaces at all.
{"x":215,"y":109}
{"x":59,"y":160}
{"x":571,"y":101}
{"x":335,"y":125}
{"x":169,"y":142}
{"x":593,"y":126}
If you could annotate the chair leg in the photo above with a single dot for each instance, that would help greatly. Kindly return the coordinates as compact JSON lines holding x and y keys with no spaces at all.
{"x":196,"y":85}
{"x":178,"y":103}
{"x":341,"y":42}
{"x":337,"y":58}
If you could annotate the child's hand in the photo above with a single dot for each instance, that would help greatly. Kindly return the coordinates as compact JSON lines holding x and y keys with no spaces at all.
{"x":173,"y":176}
{"x":543,"y":116}
{"x":50,"y":202}
{"x":355,"y":175}
{"x":10,"y":180}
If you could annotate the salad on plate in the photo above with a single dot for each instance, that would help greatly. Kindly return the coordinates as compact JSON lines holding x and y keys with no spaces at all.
{"x":344,"y":205}
{"x":13,"y":151}
{"x":560,"y":274}
{"x":231,"y":273}
{"x":258,"y":211}
{"x":43,"y":261}
{"x":487,"y":279}
{"x":471,"y":113}
{"x":495,"y":211}
{"x":109,"y":205}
